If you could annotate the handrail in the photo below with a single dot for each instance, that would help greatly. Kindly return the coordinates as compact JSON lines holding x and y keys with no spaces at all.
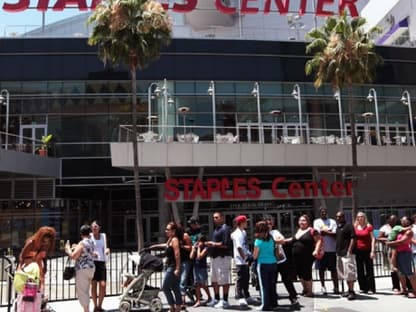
{"x":8,"y":269}
{"x":273,"y":132}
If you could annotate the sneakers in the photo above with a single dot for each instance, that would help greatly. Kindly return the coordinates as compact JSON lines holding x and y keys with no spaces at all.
{"x":294,"y":301}
{"x":351,"y":295}
{"x":212,"y":303}
{"x":323,"y":290}
{"x":251,"y":300}
{"x":242,"y":302}
{"x":222,"y":304}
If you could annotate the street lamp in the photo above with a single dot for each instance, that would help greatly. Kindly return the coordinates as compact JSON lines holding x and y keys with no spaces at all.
{"x":256,"y":93}
{"x":297,"y":96}
{"x":372,"y":95}
{"x":337,"y":96}
{"x":406,"y":101}
{"x":157,"y":93}
{"x":167,"y":102}
{"x":211,"y":92}
{"x":5,"y":100}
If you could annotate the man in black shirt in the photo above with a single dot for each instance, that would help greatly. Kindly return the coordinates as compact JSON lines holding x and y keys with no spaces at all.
{"x":220,"y":252}
{"x":346,"y":265}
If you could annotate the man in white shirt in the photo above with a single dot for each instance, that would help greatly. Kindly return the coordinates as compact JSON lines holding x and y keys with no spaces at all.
{"x":241,"y":258}
{"x":327,"y":227}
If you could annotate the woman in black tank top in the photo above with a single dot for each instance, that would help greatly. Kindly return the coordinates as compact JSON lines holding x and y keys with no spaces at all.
{"x":171,"y":279}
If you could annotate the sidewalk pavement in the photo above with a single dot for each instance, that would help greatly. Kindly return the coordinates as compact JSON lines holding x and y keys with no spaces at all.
{"x":383,"y":300}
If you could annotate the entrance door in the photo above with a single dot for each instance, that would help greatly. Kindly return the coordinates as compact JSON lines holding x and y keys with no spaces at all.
{"x":30,"y":136}
{"x":285,"y":223}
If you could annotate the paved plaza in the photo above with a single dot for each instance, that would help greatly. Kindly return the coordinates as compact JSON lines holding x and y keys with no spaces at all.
{"x":383,"y":300}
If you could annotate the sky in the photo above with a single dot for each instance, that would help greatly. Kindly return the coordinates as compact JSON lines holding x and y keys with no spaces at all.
{"x":376,"y":9}
{"x":21,"y":22}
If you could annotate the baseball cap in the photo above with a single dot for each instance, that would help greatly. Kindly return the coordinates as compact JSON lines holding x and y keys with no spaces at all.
{"x":240,"y":219}
{"x":193,"y":220}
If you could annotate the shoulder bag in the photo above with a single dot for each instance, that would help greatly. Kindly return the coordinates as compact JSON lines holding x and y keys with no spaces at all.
{"x":69,"y":271}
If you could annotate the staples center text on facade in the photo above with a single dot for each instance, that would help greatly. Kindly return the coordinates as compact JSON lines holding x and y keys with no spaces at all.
{"x":250,"y":188}
{"x":246,"y":7}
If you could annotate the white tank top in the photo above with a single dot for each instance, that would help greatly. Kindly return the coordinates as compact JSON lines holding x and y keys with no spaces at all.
{"x":99,"y":247}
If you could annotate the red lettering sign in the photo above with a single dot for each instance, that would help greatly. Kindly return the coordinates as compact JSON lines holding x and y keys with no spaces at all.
{"x":185,"y":6}
{"x":250,"y":188}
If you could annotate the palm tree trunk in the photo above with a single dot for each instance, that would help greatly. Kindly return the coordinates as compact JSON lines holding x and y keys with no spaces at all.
{"x":139,"y":220}
{"x":354,"y":167}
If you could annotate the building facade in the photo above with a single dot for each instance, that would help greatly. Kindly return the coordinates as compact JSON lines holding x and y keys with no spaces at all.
{"x":225,"y":133}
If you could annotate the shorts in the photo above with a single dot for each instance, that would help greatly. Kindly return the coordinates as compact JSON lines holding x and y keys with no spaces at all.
{"x":201,"y":276}
{"x":221,"y":270}
{"x":100,"y":273}
{"x":347,"y":268}
{"x":404,"y":263}
{"x":328,"y":262}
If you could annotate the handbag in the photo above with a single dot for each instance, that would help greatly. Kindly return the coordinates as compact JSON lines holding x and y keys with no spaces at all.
{"x":69,"y":271}
{"x":29,"y":291}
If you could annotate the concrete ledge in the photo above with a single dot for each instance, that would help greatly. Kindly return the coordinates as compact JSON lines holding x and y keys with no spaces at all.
{"x":210,"y":154}
{"x":29,"y":164}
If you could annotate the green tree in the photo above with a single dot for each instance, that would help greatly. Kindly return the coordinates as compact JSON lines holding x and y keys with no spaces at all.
{"x":344,"y":55}
{"x":132,"y":33}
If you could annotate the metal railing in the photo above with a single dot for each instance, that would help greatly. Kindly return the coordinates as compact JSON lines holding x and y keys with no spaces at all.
{"x":274,"y":133}
{"x":57,"y":289}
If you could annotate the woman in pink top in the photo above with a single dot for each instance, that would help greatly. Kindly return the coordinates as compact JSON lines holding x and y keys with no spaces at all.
{"x":404,"y":256}
{"x":364,"y":252}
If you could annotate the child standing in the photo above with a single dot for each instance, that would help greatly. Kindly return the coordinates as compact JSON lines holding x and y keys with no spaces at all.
{"x":396,"y":230}
{"x":199,"y":254}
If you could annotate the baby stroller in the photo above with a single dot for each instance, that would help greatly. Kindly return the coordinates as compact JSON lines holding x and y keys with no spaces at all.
{"x":136,"y":293}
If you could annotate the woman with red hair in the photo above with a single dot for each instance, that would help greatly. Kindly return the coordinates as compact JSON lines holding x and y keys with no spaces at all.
{"x":36,"y":249}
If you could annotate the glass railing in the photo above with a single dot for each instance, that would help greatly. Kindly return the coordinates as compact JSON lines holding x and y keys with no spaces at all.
{"x":270,"y":133}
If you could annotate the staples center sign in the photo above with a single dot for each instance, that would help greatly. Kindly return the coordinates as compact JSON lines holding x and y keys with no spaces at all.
{"x":185,"y":6}
{"x":250,"y":189}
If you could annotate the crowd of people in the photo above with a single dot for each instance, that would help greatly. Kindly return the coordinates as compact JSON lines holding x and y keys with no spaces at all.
{"x":346,"y":250}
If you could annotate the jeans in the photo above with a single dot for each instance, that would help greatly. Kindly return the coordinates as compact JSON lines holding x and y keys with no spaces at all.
{"x":185,"y":272}
{"x":243,"y":280}
{"x":170,"y":287}
{"x":284,"y":270}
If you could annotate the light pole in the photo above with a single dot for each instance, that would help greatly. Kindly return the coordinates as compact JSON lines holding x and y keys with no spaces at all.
{"x":297,"y":96}
{"x":406,"y":101}
{"x":211,"y":92}
{"x":157,"y":92}
{"x":256,"y":93}
{"x":337,"y":96}
{"x":167,"y":101}
{"x":5,"y":100}
{"x":372,"y":95}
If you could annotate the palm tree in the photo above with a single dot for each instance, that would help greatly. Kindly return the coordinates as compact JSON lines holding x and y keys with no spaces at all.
{"x":132,"y":33}
{"x":343,"y":54}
